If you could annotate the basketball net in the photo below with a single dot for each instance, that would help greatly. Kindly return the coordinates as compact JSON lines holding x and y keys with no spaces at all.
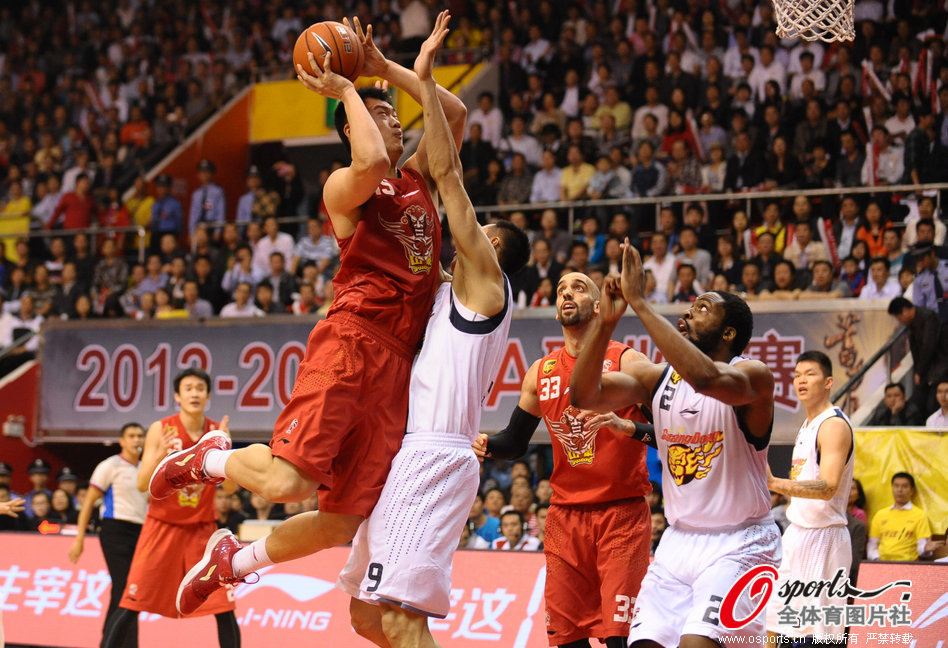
{"x":825,"y":20}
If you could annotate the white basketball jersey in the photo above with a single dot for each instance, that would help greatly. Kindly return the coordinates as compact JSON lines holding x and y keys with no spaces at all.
{"x":454,"y":372}
{"x":815,"y":513}
{"x":713,"y":477}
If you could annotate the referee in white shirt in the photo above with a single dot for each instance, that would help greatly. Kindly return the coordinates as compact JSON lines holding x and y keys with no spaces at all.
{"x":122,"y":513}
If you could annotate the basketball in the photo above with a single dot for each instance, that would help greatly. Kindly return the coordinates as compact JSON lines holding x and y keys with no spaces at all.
{"x":347,"y":55}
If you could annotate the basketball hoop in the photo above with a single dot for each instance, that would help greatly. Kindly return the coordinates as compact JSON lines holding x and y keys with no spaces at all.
{"x":825,"y":20}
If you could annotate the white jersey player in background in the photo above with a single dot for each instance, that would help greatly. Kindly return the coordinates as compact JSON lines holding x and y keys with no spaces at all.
{"x":713,"y":414}
{"x":399,"y":570}
{"x":816,"y":544}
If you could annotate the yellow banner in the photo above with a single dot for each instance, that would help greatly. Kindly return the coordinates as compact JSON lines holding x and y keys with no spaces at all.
{"x":880,"y":453}
{"x":287,"y":110}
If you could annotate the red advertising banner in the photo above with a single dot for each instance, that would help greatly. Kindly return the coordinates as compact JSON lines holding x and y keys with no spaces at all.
{"x":926,"y":599}
{"x":496,"y":600}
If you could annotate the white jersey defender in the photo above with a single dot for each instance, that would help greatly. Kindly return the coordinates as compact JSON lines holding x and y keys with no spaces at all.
{"x":816,"y":544}
{"x":718,"y":509}
{"x":402,"y":554}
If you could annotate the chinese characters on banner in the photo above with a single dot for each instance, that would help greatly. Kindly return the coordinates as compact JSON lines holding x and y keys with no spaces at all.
{"x":497,"y":600}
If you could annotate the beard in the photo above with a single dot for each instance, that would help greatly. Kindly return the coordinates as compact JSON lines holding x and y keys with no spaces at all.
{"x":577,"y":316}
{"x":708,"y":342}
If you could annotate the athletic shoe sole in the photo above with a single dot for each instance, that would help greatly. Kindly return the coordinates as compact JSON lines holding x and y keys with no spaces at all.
{"x":195,"y":571}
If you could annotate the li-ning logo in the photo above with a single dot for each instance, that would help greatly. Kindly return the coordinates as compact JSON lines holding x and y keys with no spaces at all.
{"x":761,"y":581}
{"x":293,"y":425}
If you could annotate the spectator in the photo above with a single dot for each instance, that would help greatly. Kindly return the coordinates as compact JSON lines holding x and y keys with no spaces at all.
{"x":559,"y":240}
{"x":690,"y":253}
{"x":925,"y":212}
{"x":884,"y":164}
{"x":803,"y":251}
{"x":852,"y":159}
{"x":853,"y":276}
{"x":786,"y":284}
{"x":901,"y":123}
{"x":927,"y":290}
{"x":282,"y":284}
{"x":258,"y":203}
{"x":45,"y":295}
{"x":545,"y":186}
{"x":605,"y":183}
{"x":38,"y":473}
{"x":928,"y":341}
{"x":648,"y":176}
{"x":39,"y":510}
{"x":27,"y":320}
{"x":166,"y":214}
{"x":881,"y":284}
{"x":317,"y":247}
{"x":894,"y":411}
{"x":872,"y":229}
{"x":713,"y":174}
{"x":520,"y":141}
{"x":304,"y":302}
{"x":227,"y":517}
{"x":900,"y":532}
{"x":208,"y":203}
{"x":745,"y":169}
{"x":595,"y":242}
{"x":575,"y":137}
{"x":62,"y":508}
{"x":659,"y":524}
{"x":513,"y":534}
{"x":489,"y":118}
{"x":661,"y":263}
{"x":924,"y":156}
{"x":727,"y":261}
{"x":686,"y":291}
{"x":658,"y":111}
{"x":475,"y":153}
{"x":69,"y":291}
{"x":939,"y":419}
{"x":613,"y":105}
{"x":767,"y":69}
{"x":273,"y":241}
{"x":574,"y":180}
{"x":76,"y":209}
{"x":578,"y":260}
{"x":485,"y":526}
{"x":197,"y":308}
{"x":892,"y":240}
{"x":241,"y":306}
{"x":516,"y":185}
{"x":165,"y":308}
{"x":824,"y":285}
{"x":766,"y":258}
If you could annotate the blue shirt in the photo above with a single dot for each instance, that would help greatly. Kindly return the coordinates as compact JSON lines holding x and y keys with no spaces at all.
{"x":245,"y":208}
{"x":166,"y":215}
{"x":491,"y":529}
{"x":207,"y":206}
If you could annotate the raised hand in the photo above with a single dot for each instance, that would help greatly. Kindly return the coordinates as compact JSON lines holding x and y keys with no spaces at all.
{"x":633,"y":275}
{"x":14,"y":506}
{"x":424,"y":64}
{"x":375,"y":64}
{"x":596,"y":421}
{"x":323,"y":80}
{"x":612,"y":303}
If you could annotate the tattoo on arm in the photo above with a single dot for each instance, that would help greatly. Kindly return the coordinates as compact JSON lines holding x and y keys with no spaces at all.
{"x":807,"y":489}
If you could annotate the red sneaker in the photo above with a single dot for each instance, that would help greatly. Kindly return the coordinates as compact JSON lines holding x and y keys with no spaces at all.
{"x":212,"y":573}
{"x":186,"y":467}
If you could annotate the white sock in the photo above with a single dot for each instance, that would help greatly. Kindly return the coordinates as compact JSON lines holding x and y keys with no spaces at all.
{"x":214,"y":462}
{"x":251,"y":558}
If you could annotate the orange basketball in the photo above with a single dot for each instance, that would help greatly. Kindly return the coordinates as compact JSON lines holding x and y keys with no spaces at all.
{"x":347,"y":55}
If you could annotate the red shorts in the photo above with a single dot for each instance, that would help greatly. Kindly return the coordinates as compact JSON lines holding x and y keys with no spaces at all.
{"x":596,"y":557}
{"x":164,"y":554}
{"x":346,"y":417}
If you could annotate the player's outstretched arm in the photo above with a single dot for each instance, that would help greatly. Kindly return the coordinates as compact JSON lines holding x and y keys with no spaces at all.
{"x":85,"y":514}
{"x":591,"y":389}
{"x":349,"y":187}
{"x":377,"y":65}
{"x":834,"y":441}
{"x":478,"y":281}
{"x":740,"y":384}
{"x":513,"y":441}
{"x":157,"y":444}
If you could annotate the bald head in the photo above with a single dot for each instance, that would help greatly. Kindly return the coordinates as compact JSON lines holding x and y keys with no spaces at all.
{"x":577,"y":300}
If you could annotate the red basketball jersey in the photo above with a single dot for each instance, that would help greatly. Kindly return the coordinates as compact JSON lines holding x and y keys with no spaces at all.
{"x":588,"y":467}
{"x":389,"y":267}
{"x":194,"y":503}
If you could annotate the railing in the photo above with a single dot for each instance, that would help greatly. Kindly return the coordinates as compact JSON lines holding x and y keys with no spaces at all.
{"x":139,"y":230}
{"x":845,"y":390}
{"x":17,"y":343}
{"x":748,"y":197}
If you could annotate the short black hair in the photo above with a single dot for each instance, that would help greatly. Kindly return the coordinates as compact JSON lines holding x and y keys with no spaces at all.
{"x":904,"y":475}
{"x":880,"y":259}
{"x":789,"y":264}
{"x":820,"y":358}
{"x":513,"y":512}
{"x":861,"y":498}
{"x":499,"y":490}
{"x":341,"y":119}
{"x":128,"y":426}
{"x":823,"y":262}
{"x":737,"y":314}
{"x":895,"y":385}
{"x":688,"y":266}
{"x":899,"y":304}
{"x":514,"y":249}
{"x":929,"y":222}
{"x":197,"y":372}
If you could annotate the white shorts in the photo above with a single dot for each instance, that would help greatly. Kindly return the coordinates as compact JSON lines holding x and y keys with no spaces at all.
{"x":402,"y":553}
{"x":691,"y":575}
{"x":810,"y":555}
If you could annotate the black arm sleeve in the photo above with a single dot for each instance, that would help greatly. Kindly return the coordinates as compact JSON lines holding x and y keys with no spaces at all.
{"x":513,"y":440}
{"x":645,"y":432}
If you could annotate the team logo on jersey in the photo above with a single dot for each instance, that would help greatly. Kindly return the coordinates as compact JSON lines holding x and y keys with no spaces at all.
{"x":415,"y":231}
{"x":606,"y":365}
{"x":686,"y":462}
{"x":548,"y":366}
{"x":796,"y":467}
{"x":293,"y":425}
{"x":190,"y":495}
{"x":675,"y":377}
{"x":578,"y":443}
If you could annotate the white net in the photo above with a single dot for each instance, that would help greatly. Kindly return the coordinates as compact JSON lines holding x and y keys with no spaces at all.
{"x":826,"y":20}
